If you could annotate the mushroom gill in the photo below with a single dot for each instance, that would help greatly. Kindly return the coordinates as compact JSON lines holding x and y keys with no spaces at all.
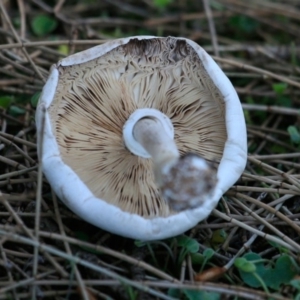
{"x":94,"y":99}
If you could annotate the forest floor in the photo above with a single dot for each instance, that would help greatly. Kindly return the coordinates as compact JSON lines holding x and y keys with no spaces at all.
{"x":249,"y":246}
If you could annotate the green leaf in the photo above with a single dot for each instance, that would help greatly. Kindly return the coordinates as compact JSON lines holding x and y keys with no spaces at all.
{"x":64,"y":49}
{"x":162,"y":3}
{"x":218,"y":237}
{"x":285,"y":101}
{"x":279,"y":88}
{"x":42,"y":25}
{"x":294,"y":54}
{"x":294,"y":134}
{"x":191,"y":245}
{"x":277,"y":149}
{"x":132,"y":294}
{"x":201,"y":295}
{"x":295,"y":283}
{"x":208,"y":253}
{"x":273,"y":277}
{"x":244,"y":23}
{"x":35,"y":99}
{"x":5,"y":101}
{"x":279,"y":247}
{"x":16,"y":110}
{"x":284,"y":271}
{"x":175,"y":293}
{"x":139,"y":243}
{"x":248,"y":117}
{"x":247,"y":276}
{"x":244,"y":265}
{"x":197,"y":258}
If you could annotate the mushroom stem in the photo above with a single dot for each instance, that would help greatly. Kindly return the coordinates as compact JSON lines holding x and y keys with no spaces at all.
{"x":155,"y":140}
{"x":185,"y":182}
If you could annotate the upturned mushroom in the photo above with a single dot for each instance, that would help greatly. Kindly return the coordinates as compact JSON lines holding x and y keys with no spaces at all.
{"x":141,"y":136}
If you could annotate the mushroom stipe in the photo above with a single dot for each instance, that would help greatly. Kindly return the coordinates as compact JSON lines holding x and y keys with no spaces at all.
{"x":121,"y":122}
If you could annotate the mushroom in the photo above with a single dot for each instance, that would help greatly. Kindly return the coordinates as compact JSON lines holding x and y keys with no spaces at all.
{"x":141,"y":136}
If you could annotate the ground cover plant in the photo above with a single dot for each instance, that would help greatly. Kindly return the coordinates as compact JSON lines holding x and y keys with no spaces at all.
{"x":247,"y":249}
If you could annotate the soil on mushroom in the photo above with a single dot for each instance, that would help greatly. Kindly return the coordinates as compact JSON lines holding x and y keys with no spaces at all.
{"x":94,"y":100}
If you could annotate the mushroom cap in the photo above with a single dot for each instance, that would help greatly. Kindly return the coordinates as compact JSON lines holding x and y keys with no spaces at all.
{"x":87,"y":99}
